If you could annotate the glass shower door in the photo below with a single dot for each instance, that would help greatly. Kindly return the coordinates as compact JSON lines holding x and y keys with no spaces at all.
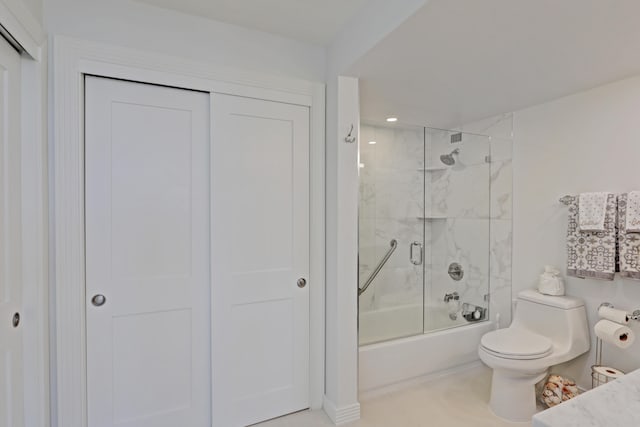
{"x":457,"y":226}
{"x":391,"y":232}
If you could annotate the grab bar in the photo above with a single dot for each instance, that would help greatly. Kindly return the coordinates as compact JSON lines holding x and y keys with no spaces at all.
{"x":383,"y":261}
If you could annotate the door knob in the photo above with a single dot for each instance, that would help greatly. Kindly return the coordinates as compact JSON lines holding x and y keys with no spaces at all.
{"x":98,"y":300}
{"x":16,"y":320}
{"x":302,"y":282}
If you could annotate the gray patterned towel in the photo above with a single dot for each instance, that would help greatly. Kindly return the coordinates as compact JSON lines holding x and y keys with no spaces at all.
{"x":628,"y":243}
{"x":592,"y":254}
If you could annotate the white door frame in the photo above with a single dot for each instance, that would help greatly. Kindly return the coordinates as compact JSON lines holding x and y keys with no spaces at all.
{"x":72,"y":59}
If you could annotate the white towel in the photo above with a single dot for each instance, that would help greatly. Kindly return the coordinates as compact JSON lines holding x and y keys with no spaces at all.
{"x":628,"y":243}
{"x":633,"y":212}
{"x":591,"y":211}
{"x":592,"y":254}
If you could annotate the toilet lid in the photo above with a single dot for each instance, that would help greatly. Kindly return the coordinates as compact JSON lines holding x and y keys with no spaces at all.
{"x":512,"y":343}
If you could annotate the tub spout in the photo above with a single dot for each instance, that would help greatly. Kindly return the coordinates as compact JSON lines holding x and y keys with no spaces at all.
{"x":453,"y":304}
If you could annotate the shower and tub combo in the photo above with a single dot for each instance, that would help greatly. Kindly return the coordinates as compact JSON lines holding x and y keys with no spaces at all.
{"x":424,"y":251}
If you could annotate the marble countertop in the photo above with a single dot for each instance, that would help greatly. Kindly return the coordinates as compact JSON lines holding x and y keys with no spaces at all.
{"x":615,"y":404}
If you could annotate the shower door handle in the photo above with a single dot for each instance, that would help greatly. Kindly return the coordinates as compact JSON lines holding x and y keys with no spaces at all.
{"x":415,"y":260}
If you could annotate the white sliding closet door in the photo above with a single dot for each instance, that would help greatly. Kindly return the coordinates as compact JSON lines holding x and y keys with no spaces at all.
{"x":147,"y":255}
{"x":260,"y":259}
{"x":11,"y":362}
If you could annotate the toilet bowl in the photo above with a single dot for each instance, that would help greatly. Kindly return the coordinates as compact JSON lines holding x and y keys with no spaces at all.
{"x":546,"y":330}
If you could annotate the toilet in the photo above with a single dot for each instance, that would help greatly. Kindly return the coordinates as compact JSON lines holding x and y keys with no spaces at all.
{"x":546,"y":330}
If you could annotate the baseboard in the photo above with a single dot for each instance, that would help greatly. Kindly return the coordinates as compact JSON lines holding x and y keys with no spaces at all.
{"x":341,"y":415}
{"x":401,"y":385}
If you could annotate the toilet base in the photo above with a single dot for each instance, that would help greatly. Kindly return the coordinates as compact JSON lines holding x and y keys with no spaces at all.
{"x":513,"y":394}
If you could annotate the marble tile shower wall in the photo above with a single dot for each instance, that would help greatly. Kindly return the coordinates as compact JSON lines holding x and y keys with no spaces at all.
{"x":391,"y":200}
{"x":467,"y":210}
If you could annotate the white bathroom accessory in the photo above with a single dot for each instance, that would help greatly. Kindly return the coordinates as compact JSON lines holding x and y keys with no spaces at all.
{"x":550,"y":282}
{"x":614,"y":333}
{"x":546,"y":331}
{"x":604,"y":374}
{"x":606,"y":311}
{"x":612,"y":330}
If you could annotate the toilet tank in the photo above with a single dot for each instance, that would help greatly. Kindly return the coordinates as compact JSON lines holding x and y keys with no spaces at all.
{"x":562,"y":319}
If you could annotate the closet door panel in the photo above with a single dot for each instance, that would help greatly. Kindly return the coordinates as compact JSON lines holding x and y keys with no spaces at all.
{"x":260,"y":263}
{"x":11,"y":261}
{"x":147,"y":255}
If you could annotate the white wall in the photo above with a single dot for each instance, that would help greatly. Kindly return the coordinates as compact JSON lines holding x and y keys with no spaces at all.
{"x":341,"y":364}
{"x":140,"y":26}
{"x":589,"y":141}
{"x":35,"y":7}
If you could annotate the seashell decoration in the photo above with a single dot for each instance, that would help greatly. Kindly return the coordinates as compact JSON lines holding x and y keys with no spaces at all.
{"x":558,"y":389}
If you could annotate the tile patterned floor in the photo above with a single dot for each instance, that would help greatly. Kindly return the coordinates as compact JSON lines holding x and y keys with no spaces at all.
{"x":459,"y":400}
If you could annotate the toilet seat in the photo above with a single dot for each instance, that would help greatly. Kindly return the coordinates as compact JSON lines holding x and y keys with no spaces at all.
{"x":516,"y":343}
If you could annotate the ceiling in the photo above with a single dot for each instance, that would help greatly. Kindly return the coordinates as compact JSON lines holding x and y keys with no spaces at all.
{"x":312,"y":21}
{"x":456,"y":61}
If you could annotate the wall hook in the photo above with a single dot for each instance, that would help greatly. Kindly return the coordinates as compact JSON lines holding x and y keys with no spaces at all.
{"x":350,"y":138}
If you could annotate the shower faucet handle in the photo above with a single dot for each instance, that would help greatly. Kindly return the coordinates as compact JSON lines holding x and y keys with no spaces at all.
{"x":456,"y":272}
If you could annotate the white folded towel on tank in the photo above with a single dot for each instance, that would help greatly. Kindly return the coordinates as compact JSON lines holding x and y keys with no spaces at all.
{"x":591,"y":211}
{"x":633,"y":212}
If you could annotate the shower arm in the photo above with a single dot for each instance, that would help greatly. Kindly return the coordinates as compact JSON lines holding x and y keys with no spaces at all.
{"x":383,"y":261}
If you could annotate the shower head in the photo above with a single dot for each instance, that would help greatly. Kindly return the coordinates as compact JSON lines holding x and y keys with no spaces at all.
{"x":448,"y":159}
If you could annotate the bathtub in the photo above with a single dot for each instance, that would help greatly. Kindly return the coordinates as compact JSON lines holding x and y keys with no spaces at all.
{"x":390,"y":363}
{"x":402,"y":321}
